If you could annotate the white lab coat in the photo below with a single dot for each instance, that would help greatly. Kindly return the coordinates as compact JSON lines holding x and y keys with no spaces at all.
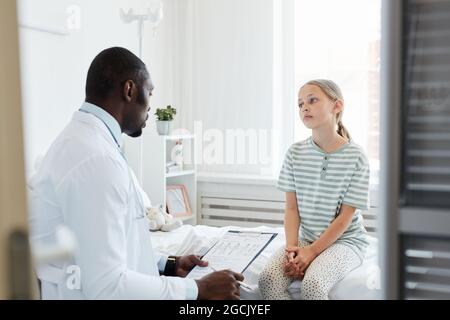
{"x":85,"y":184}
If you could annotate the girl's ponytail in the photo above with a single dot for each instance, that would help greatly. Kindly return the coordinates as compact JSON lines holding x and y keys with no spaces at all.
{"x":342,"y":131}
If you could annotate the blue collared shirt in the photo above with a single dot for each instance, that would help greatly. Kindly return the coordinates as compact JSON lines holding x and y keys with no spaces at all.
{"x":109,"y":121}
{"x":116,"y":132}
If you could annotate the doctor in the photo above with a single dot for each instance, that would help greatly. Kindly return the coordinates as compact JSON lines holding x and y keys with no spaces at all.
{"x":84,"y":182}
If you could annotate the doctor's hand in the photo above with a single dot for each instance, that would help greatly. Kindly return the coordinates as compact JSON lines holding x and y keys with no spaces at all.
{"x":220,"y":285}
{"x":185,"y":264}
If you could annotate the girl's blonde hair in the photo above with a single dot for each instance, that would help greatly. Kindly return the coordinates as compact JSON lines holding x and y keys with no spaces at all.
{"x":334,"y":93}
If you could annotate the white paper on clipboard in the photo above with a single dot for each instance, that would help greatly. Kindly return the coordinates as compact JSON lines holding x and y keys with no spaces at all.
{"x":236,"y":250}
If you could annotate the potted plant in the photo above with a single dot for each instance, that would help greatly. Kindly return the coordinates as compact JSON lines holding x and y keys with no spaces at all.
{"x":164,"y":119}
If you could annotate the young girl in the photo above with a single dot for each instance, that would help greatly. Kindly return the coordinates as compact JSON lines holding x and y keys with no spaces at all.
{"x":326,"y":180}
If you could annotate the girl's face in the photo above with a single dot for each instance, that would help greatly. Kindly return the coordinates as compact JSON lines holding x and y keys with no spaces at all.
{"x":316,"y":109}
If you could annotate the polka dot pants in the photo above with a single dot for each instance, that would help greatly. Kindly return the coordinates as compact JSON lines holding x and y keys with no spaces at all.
{"x":323,"y":273}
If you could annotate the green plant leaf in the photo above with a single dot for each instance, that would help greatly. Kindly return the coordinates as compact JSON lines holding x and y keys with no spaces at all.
{"x":165,"y":114}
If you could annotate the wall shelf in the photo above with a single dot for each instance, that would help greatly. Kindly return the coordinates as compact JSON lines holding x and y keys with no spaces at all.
{"x":156,"y":154}
{"x":45,"y":29}
{"x":180,"y":173}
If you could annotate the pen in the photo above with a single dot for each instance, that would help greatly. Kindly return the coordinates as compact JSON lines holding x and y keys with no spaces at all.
{"x":241,"y":283}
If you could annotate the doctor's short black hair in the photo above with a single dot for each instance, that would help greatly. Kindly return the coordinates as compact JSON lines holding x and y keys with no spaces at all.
{"x":110,"y":69}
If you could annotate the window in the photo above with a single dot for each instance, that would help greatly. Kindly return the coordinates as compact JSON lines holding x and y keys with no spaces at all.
{"x":340,"y":40}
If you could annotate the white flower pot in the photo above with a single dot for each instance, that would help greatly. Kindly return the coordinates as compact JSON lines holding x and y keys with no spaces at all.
{"x":164,"y":127}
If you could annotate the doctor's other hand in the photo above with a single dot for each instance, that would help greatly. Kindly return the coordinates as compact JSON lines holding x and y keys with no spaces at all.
{"x":185,"y":264}
{"x":220,"y":285}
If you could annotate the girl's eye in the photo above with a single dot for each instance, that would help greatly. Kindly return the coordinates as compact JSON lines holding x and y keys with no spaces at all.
{"x":312,"y":100}
{"x":300,"y":105}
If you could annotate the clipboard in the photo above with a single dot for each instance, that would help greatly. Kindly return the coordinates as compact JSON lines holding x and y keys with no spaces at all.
{"x":236,"y":250}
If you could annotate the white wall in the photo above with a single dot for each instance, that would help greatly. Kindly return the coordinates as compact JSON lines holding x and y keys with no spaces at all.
{"x":54,"y":67}
{"x":213,"y":60}
{"x":224,"y":59}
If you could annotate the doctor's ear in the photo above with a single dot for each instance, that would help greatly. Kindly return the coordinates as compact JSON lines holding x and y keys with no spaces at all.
{"x":128,"y":90}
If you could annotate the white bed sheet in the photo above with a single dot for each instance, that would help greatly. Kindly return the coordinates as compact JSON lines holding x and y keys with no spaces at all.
{"x":360,"y":284}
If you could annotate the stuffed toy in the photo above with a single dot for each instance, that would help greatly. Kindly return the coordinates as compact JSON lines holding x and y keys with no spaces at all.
{"x":160,"y":220}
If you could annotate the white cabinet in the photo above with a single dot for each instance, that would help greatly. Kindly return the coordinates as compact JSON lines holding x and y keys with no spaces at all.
{"x":157,"y":154}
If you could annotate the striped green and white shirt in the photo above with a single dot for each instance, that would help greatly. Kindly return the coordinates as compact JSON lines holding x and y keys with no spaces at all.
{"x":323,"y":182}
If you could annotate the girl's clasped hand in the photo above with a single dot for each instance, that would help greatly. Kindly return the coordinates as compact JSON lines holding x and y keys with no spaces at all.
{"x":298,"y":260}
